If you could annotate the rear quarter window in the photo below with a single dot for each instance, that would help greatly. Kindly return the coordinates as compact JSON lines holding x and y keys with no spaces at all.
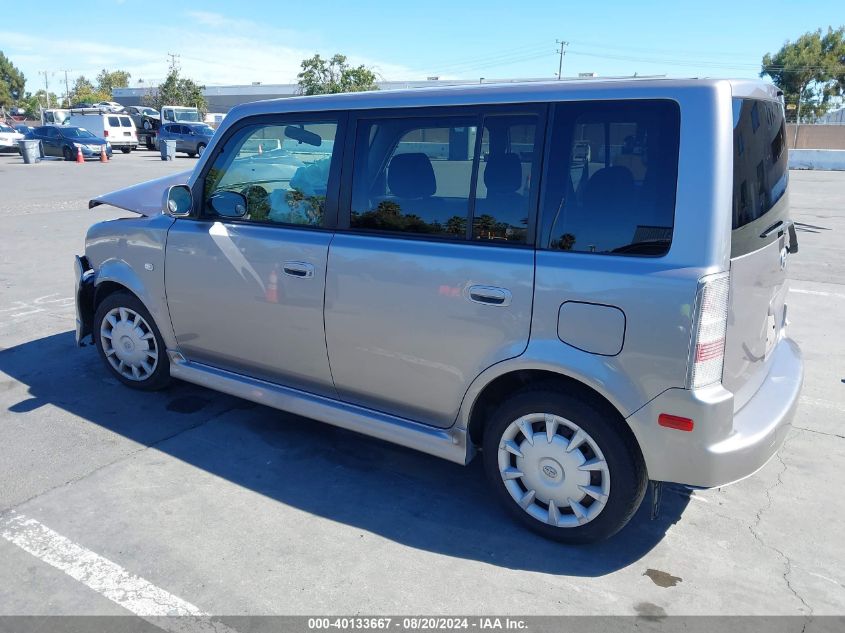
{"x":611,"y":177}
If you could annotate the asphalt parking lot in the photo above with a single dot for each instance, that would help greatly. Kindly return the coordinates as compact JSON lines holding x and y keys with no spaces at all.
{"x":239,"y":509}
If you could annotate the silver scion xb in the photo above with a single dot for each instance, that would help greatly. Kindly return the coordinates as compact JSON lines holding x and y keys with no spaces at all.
{"x":585,"y":280}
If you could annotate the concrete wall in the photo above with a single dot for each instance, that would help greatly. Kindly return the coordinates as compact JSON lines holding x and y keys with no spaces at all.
{"x":816,"y":136}
{"x":827,"y":159}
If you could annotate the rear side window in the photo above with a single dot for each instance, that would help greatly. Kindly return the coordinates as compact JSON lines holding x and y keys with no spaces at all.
{"x":414,"y":175}
{"x":114,"y":121}
{"x":760,"y":159}
{"x":612,"y":175}
{"x":452,"y":176}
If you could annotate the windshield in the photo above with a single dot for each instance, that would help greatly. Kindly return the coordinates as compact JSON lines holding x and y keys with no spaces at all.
{"x":187,"y":115}
{"x":148,"y":112}
{"x":76,"y":132}
{"x":203,"y":130}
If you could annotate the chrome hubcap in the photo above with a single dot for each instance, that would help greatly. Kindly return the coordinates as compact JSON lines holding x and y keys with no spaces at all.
{"x":129,"y":344}
{"x":554,"y":470}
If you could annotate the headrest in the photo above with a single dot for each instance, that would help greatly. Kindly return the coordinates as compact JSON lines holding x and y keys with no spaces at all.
{"x":609,"y":185}
{"x":411,"y":176}
{"x":503,"y":173}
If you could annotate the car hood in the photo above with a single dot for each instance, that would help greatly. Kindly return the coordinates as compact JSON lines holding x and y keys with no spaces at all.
{"x":145,"y":198}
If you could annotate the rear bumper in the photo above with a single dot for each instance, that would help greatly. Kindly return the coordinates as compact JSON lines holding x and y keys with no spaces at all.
{"x":724,"y":446}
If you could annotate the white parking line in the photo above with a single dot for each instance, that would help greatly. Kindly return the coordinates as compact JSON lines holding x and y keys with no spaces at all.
{"x":107,"y":578}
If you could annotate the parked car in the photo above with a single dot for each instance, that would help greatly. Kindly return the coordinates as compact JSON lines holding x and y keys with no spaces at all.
{"x":445,"y":271}
{"x":144,"y":117}
{"x":111,"y":106}
{"x":191,"y":138}
{"x":9,"y":138}
{"x":117,"y":129}
{"x":67,"y":141}
{"x":23,"y":128}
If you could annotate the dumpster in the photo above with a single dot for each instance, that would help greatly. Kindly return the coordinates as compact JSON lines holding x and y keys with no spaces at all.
{"x":30,"y":150}
{"x":168,"y":149}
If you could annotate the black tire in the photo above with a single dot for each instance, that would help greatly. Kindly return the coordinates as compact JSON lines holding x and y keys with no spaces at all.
{"x":147,"y":125}
{"x":68,"y":154}
{"x":160,"y":376}
{"x":125,"y":150}
{"x":627,"y":473}
{"x":200,"y":149}
{"x":191,"y":154}
{"x":150,"y":144}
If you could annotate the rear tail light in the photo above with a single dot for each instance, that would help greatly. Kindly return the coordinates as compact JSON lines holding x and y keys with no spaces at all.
{"x":707,"y":354}
{"x":105,"y":132}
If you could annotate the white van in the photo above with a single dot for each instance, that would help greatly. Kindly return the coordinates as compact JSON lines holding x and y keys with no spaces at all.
{"x":117,"y":129}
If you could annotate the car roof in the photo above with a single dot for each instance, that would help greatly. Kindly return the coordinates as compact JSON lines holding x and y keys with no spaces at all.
{"x":502,"y":93}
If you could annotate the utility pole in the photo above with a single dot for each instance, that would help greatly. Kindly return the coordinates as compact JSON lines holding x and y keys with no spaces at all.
{"x":67,"y":90}
{"x":174,"y":61}
{"x":562,"y":52}
{"x":46,"y":85}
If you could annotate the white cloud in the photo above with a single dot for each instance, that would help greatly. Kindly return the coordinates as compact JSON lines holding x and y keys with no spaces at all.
{"x":218,"y":50}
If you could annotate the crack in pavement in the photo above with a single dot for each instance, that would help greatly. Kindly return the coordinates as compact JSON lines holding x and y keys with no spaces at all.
{"x":802,"y":428}
{"x":69,"y":482}
{"x":787,"y":561}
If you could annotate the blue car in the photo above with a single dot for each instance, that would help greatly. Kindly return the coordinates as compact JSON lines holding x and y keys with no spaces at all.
{"x":66,"y":142}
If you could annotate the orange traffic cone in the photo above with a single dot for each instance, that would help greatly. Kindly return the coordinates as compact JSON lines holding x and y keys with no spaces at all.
{"x":271,"y":293}
{"x":103,"y":156}
{"x":79,"y":157}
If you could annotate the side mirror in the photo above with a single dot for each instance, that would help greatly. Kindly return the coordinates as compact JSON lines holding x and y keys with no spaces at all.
{"x":178,"y":201}
{"x":228,"y":204}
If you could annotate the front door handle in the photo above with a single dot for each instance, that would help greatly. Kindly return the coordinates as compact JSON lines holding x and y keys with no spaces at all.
{"x":303,"y":270}
{"x":490,"y":295}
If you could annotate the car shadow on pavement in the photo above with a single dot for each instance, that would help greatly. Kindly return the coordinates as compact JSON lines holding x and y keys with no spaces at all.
{"x":411,"y":498}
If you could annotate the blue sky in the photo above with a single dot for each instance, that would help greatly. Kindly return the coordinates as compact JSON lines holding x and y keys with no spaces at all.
{"x":224,"y":42}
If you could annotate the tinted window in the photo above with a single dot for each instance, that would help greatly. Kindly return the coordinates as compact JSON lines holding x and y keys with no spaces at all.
{"x":114,"y":121}
{"x":281,"y":170}
{"x":51,"y":132}
{"x":414,"y":175}
{"x":125,"y":121}
{"x":760,"y":159}
{"x":504,"y":178}
{"x":612,"y":176}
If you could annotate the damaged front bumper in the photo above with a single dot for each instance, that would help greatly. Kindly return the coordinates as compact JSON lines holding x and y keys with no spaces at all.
{"x":84,"y":293}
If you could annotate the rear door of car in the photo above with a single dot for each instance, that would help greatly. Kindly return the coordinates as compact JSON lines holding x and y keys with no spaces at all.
{"x":430,"y":275}
{"x":761,"y":239}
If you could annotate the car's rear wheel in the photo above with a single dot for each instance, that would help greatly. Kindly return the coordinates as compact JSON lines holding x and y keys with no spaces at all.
{"x":130,"y":343}
{"x":563,"y":465}
{"x":125,"y":150}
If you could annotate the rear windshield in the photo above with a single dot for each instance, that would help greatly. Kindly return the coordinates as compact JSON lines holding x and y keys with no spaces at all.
{"x":125,"y":121}
{"x":760,"y":162}
{"x":114,"y":121}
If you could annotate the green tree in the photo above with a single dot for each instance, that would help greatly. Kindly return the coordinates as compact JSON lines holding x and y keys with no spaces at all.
{"x":108,"y":81}
{"x":331,"y":76}
{"x":12,"y":82}
{"x":84,"y":91}
{"x":809,"y":70}
{"x":178,"y":91}
{"x":33,"y":103}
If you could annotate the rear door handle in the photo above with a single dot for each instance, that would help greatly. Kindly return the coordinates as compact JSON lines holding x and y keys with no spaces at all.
{"x":490,"y":295}
{"x":303,"y":270}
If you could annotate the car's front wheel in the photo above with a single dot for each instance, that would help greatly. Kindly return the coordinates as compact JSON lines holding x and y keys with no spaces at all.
{"x":563,"y":465}
{"x":200,"y":149}
{"x":68,"y":154}
{"x":130,"y":343}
